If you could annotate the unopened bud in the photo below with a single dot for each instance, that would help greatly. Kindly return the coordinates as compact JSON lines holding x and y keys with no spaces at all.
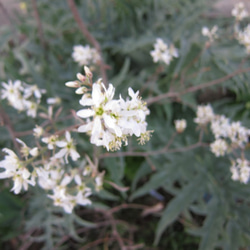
{"x":34,"y":151}
{"x":88,"y":72}
{"x":72,"y":84}
{"x":81,"y":77}
{"x":180,"y":125}
{"x":81,"y":90}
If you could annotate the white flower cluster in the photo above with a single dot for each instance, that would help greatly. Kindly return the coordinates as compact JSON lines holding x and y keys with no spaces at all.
{"x":109,"y":121}
{"x":22,"y":96}
{"x":163,"y":53}
{"x":229,"y":136}
{"x":16,"y":169}
{"x":85,"y":55}
{"x":240,"y":170}
{"x":66,"y":186}
{"x":239,"y":11}
{"x":243,"y":36}
{"x":204,"y":114}
{"x":211,"y":34}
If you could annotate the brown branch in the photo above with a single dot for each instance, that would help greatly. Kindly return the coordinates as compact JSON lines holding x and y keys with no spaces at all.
{"x":126,"y":206}
{"x":156,"y":152}
{"x":7,"y":15}
{"x":89,"y":37}
{"x":39,"y":23}
{"x":5,"y":120}
{"x":195,"y":88}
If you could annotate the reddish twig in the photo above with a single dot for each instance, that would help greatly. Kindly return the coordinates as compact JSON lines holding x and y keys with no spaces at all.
{"x":126,"y":206}
{"x":89,"y":37}
{"x":7,"y":123}
{"x":195,"y":88}
{"x":156,"y":152}
{"x":39,"y":23}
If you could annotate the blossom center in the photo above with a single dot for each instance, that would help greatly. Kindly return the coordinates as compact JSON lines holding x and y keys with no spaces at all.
{"x":99,"y":111}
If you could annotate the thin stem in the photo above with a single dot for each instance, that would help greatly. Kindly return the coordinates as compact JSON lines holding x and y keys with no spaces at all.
{"x":163,"y":150}
{"x":39,"y":23}
{"x":126,"y":206}
{"x":89,"y":37}
{"x":7,"y":123}
{"x":195,"y":88}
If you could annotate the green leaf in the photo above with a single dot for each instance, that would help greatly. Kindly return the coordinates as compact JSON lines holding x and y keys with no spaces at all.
{"x":155,"y":182}
{"x":213,"y":224}
{"x":177,"y":205}
{"x":82,"y":222}
{"x":115,"y":167}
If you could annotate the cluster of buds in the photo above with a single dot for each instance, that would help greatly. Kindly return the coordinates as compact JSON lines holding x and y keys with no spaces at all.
{"x":109,"y":122}
{"x":85,"y":55}
{"x":22,"y":96}
{"x":163,"y":53}
{"x":229,"y":136}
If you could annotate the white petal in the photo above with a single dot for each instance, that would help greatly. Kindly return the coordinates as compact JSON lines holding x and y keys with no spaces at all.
{"x":61,"y":153}
{"x":85,"y":128}
{"x":67,"y":136}
{"x":85,"y":113}
{"x":74,"y":155}
{"x":61,"y":144}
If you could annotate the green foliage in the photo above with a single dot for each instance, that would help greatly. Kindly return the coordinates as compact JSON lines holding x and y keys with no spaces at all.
{"x":194,"y":187}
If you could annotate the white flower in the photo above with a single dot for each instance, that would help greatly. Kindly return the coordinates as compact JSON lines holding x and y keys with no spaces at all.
{"x":13,"y":93}
{"x":244,"y":38}
{"x":38,"y":131}
{"x":239,"y":11}
{"x":219,"y":147}
{"x":220,"y":126}
{"x":51,"y":141}
{"x":238,"y":134}
{"x":17,"y":93}
{"x":240,"y":170}
{"x":68,"y":148}
{"x":50,"y":174}
{"x":103,"y":126}
{"x":16,"y":169}
{"x":31,"y":108}
{"x":83,"y":192}
{"x":204,"y":114}
{"x":163,"y":53}
{"x":84,"y":55}
{"x":33,"y":90}
{"x":180,"y":125}
{"x":10,"y":163}
{"x":211,"y":34}
{"x":66,"y":201}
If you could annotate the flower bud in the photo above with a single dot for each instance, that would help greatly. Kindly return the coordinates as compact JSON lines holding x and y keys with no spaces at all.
{"x":81,"y":90}
{"x":72,"y":84}
{"x":88,"y":72}
{"x":180,"y":125}
{"x":81,"y":77}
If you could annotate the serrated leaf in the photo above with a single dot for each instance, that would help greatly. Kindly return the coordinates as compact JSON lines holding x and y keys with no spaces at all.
{"x":213,"y":225}
{"x":177,"y":205}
